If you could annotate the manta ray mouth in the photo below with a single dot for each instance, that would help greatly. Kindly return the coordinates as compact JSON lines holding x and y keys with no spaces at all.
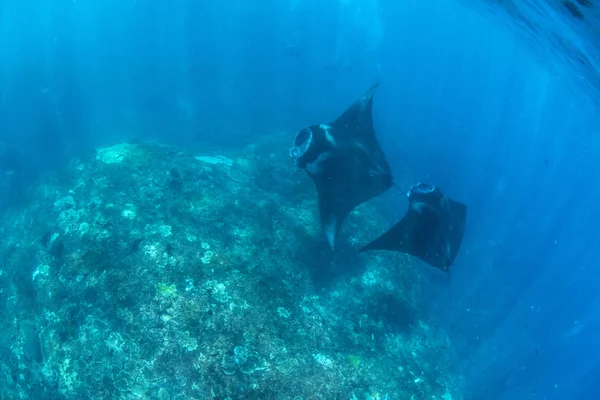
{"x":423,"y":188}
{"x":425,"y":193}
{"x":426,"y":196}
{"x":302,"y":142}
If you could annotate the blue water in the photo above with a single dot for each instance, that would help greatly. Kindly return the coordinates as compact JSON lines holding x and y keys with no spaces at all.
{"x":489,"y":101}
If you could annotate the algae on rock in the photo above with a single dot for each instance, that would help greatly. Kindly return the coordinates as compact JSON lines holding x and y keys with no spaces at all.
{"x":158,"y":274}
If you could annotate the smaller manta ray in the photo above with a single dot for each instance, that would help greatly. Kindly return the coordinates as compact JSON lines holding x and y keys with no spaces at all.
{"x":431,"y":230}
{"x":345,"y":162}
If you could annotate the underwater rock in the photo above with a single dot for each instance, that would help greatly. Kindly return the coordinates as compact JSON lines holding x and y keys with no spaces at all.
{"x":158,"y":278}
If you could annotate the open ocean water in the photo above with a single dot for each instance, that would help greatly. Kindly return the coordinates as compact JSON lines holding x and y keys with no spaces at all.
{"x":299,"y":199}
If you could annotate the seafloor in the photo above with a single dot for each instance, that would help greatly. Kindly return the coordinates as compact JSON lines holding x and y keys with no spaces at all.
{"x":147,"y":272}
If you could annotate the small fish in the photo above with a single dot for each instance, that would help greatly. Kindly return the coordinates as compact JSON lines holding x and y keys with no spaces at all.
{"x":573,"y":9}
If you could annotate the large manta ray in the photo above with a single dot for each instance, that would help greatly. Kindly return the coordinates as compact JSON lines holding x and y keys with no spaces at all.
{"x":431,"y":230}
{"x":348,"y":167}
{"x":345,"y":161}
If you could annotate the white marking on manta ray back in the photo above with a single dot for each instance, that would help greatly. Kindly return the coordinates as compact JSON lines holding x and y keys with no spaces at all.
{"x":328,"y":136}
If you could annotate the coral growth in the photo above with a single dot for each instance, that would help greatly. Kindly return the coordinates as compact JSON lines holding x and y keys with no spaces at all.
{"x":147,"y":272}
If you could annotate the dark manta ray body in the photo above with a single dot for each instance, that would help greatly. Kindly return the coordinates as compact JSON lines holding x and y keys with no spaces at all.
{"x":348,"y":167}
{"x":432,"y":228}
{"x":345,"y":162}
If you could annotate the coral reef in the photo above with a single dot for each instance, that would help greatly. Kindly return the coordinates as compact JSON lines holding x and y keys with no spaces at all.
{"x":147,"y":272}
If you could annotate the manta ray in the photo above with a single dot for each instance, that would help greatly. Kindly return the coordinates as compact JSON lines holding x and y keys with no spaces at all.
{"x":431,"y":230}
{"x":348,"y":167}
{"x":345,"y":162}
